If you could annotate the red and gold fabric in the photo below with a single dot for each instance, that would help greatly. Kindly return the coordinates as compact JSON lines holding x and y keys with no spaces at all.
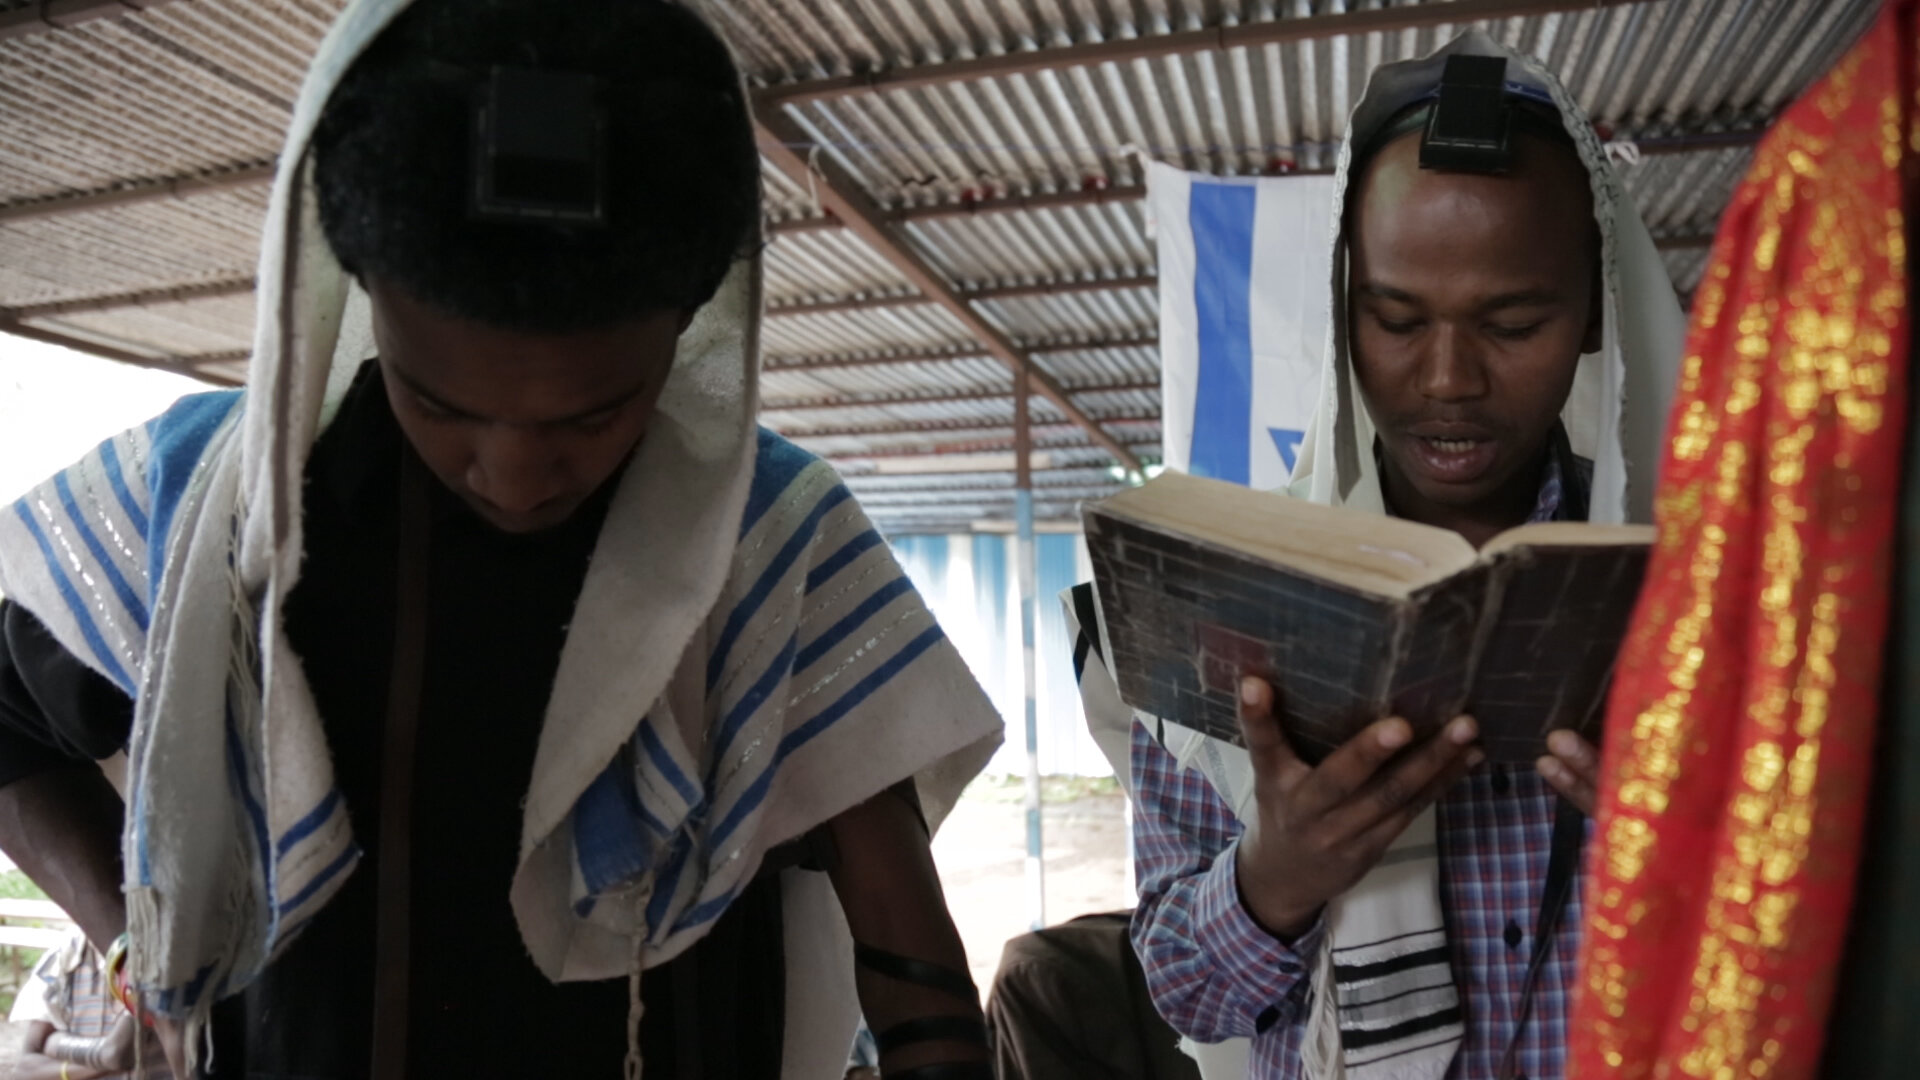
{"x":1740,"y":733}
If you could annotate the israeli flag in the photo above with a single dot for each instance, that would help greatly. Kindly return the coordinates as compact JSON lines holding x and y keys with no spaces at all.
{"x":1244,"y":271}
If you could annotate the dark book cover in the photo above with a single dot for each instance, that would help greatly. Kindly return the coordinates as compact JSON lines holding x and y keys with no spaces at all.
{"x":1524,"y":640}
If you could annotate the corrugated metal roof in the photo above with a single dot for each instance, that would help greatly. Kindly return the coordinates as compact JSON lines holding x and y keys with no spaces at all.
{"x":202,"y":88}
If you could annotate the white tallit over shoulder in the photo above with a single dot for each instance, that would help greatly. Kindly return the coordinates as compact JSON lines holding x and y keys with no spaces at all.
{"x":746,"y":659}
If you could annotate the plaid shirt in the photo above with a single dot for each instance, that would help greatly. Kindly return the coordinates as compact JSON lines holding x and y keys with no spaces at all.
{"x":1216,"y":975}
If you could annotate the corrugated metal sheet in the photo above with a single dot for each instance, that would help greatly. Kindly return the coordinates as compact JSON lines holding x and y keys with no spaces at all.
{"x":205,"y":85}
{"x":130,"y":248}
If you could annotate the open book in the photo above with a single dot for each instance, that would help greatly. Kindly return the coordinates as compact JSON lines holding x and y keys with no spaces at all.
{"x":1356,"y":616}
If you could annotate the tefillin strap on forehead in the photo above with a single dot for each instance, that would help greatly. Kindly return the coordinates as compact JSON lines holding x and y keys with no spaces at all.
{"x":1471,"y":124}
{"x":539,"y":148}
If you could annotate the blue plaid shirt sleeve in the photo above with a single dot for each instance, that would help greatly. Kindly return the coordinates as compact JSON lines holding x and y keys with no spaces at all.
{"x":1213,"y":972}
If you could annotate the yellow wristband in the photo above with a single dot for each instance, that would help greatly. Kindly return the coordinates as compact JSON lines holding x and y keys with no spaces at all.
{"x":64,"y":1066}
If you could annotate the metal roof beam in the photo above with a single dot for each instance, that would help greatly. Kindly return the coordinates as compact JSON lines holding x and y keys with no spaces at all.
{"x":844,"y":304}
{"x":985,"y":292}
{"x":969,"y":447}
{"x":179,"y":365}
{"x":172,"y":294}
{"x":43,"y":15}
{"x":778,"y":136}
{"x":949,"y":398}
{"x":932,"y":427}
{"x":135,"y":192}
{"x":1063,"y":288}
{"x":913,"y":356}
{"x":1218,"y":37}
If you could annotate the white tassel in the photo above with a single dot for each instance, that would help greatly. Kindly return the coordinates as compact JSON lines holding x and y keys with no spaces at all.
{"x":1321,"y":1052}
{"x":635,"y":1009}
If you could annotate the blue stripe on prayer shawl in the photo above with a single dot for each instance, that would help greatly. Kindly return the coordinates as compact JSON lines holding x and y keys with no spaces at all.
{"x":665,"y":886}
{"x":749,"y":605}
{"x":134,"y":603}
{"x":607,"y":846}
{"x":838,"y":561}
{"x":1221,"y":217}
{"x":191,"y":991}
{"x":776,"y":464}
{"x":180,"y":437}
{"x":854,"y":620}
{"x":750,"y":702}
{"x":319,"y":882}
{"x":805,"y":733}
{"x":712,"y":909}
{"x":110,"y":461}
{"x":256,"y":813}
{"x":75,"y":604}
{"x":303,"y":828}
{"x":657,"y":750}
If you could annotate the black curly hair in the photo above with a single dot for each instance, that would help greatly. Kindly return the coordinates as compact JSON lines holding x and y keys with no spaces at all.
{"x":393,"y":164}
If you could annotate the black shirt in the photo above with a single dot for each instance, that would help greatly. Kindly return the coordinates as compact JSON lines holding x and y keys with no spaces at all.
{"x":498,"y":609}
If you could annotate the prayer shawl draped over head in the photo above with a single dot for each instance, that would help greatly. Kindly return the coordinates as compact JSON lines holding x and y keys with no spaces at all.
{"x":746,"y":659}
{"x":1742,"y":730}
{"x":1614,"y":416}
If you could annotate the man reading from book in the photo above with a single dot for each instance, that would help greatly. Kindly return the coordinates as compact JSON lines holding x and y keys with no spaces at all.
{"x":1502,"y":325}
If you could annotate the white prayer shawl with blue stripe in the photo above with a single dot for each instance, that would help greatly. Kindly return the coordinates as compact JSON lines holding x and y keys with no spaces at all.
{"x":745,"y":659}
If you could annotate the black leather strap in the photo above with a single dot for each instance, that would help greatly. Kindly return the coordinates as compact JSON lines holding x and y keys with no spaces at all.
{"x":970,"y":1029}
{"x":1563,"y":858}
{"x":918,"y":972}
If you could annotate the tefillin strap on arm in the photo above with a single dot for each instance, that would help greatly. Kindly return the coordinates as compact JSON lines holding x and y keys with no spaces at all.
{"x":1470,"y":124}
{"x":539,"y":148}
{"x":955,"y":1028}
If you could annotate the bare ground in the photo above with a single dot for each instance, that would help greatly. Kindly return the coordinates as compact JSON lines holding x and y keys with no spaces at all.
{"x":981,"y":853}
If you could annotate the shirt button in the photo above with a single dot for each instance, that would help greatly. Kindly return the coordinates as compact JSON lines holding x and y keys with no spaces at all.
{"x":1513,"y":935}
{"x":1266,"y":1020}
{"x":1501,"y":783}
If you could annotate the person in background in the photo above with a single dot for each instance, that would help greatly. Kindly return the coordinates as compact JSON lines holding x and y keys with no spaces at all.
{"x":75,"y":1029}
{"x":1503,"y":348}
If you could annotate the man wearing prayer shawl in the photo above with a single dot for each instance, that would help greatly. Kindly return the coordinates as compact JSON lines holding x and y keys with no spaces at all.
{"x":1502,"y":348}
{"x":1760,"y":694}
{"x":491,"y":705}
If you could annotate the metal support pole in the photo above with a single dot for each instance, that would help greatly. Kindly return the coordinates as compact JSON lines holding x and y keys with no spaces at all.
{"x":1026,"y":571}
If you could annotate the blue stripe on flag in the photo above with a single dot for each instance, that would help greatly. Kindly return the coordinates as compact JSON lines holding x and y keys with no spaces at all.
{"x":1221,"y":217}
